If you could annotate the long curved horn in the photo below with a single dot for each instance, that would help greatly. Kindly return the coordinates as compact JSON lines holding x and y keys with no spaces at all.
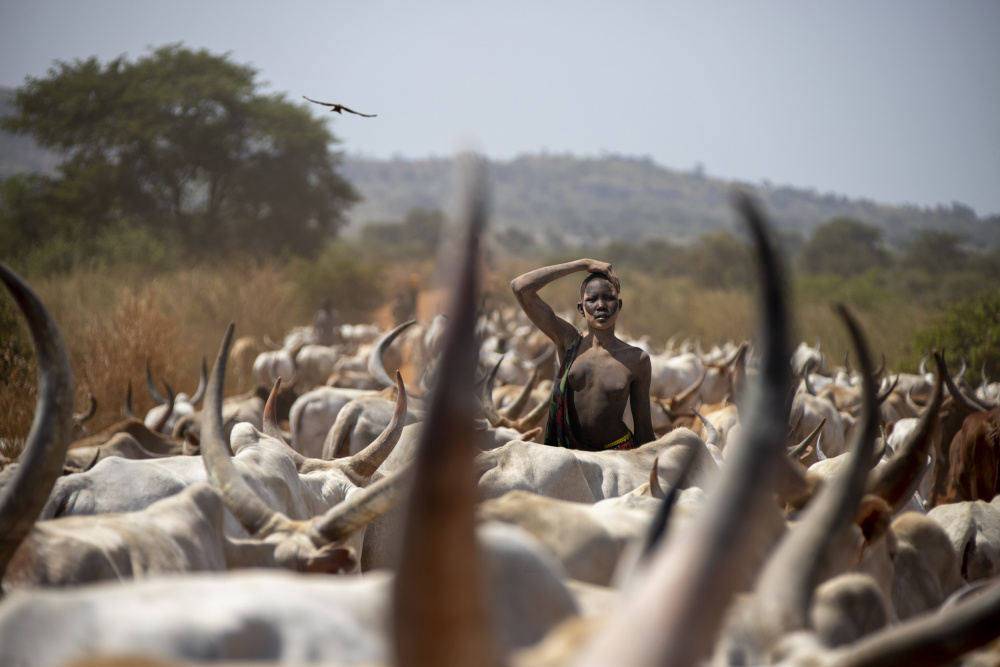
{"x":668,"y":412}
{"x":364,"y":464}
{"x":91,"y":409}
{"x":376,"y":358}
{"x":493,"y":415}
{"x":711,"y":434}
{"x":820,"y":454}
{"x":151,"y":386}
{"x":799,"y":449}
{"x":481,"y":379}
{"x":542,"y":358}
{"x":880,"y":447}
{"x":739,"y":375}
{"x":658,"y":527}
{"x":887,"y":391}
{"x":439,"y":609}
{"x":689,"y":393}
{"x":805,"y":377}
{"x":896,"y":481}
{"x":360,"y":508}
{"x":528,"y":421}
{"x":961,"y":371}
{"x":913,"y":405}
{"x":929,"y":639}
{"x":252,"y":513}
{"x":23,"y":496}
{"x":169,"y":408}
{"x":489,"y":407}
{"x":127,"y":408}
{"x":740,"y":351}
{"x":182,"y":427}
{"x":514,"y":409}
{"x":923,"y":364}
{"x":881,"y":369}
{"x":428,"y":380}
{"x":704,"y":571}
{"x":202,"y":382}
{"x":270,"y":421}
{"x":655,"y":489}
{"x":784,"y":592}
{"x":970,"y":403}
{"x":270,"y":427}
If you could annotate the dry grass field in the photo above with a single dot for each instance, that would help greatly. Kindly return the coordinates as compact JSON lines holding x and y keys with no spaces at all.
{"x":113,"y":320}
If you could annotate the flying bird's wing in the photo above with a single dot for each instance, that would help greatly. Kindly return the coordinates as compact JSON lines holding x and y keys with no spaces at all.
{"x":326,"y":104}
{"x":358,"y":113}
{"x":339,"y":107}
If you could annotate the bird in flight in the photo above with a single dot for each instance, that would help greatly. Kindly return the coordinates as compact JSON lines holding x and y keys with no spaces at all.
{"x":340,"y":107}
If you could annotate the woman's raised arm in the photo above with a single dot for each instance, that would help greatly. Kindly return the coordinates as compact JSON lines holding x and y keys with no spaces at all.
{"x":526,"y":287}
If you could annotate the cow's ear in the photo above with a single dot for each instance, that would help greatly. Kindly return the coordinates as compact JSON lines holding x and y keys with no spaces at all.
{"x":330,"y":559}
{"x":874,"y":517}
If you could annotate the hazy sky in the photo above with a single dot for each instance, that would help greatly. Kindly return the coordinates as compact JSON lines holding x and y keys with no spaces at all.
{"x":896,"y":101}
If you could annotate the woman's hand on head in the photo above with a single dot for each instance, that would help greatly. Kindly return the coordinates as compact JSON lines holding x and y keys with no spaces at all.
{"x":595,"y":266}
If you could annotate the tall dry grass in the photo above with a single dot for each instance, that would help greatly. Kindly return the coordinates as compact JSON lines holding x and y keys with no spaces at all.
{"x":113,"y":320}
{"x":18,"y":393}
{"x":677,"y":307}
{"x":111,"y":352}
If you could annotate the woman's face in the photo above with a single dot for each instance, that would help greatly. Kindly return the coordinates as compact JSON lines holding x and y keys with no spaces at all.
{"x":600,"y":305}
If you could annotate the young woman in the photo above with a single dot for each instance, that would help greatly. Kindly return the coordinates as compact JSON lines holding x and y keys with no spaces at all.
{"x":599,"y":372}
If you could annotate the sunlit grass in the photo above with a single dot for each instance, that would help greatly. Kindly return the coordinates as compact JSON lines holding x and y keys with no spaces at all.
{"x":677,"y":308}
{"x":113,"y":320}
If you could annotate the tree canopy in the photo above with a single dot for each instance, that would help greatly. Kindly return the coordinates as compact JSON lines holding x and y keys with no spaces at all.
{"x":180,"y":146}
{"x":418,"y":234}
{"x":844,"y":247}
{"x":936,"y":251}
{"x":969,"y":329}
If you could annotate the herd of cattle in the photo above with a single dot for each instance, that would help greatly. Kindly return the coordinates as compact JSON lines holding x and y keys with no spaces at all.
{"x":790,"y":512}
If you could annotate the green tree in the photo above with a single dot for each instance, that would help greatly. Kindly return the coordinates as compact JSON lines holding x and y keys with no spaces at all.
{"x":843,"y":247}
{"x":515,"y":241}
{"x":181,"y":144}
{"x":720,"y":260}
{"x":423,"y":227}
{"x":935,"y":251}
{"x":969,"y":329}
{"x":350,"y":274}
{"x":416,"y":236}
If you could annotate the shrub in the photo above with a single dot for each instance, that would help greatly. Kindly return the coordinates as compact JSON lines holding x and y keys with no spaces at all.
{"x":352,"y":277}
{"x":969,"y":329}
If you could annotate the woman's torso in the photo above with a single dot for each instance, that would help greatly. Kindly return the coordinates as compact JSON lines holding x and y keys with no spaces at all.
{"x":601,"y":380}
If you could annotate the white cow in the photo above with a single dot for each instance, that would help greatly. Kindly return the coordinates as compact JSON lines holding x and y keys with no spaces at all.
{"x":315,"y":412}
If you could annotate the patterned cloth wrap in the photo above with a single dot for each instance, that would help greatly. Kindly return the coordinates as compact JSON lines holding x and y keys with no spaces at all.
{"x":558,"y":432}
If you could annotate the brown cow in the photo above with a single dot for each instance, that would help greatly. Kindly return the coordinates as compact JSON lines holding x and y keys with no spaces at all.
{"x":975,"y":459}
{"x":974,"y":454}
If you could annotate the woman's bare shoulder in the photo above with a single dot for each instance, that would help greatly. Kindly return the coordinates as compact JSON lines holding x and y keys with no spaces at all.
{"x":632,"y":356}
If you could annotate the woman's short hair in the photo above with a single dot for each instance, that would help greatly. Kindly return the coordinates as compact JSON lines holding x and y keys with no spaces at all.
{"x":598,"y":274}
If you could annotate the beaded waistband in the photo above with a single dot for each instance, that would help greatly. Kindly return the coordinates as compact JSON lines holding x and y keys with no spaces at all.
{"x":618,"y":441}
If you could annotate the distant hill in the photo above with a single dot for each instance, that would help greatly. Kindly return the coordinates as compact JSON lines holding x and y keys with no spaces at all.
{"x":567,"y":200}
{"x":561,"y":198}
